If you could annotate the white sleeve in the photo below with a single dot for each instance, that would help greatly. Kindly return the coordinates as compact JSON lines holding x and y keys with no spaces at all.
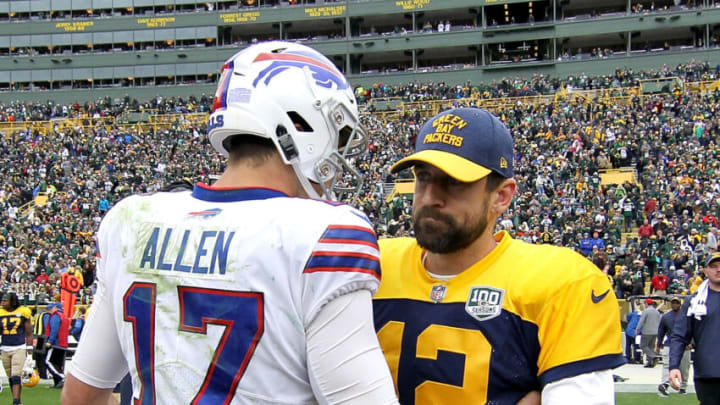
{"x":595,"y":388}
{"x":98,"y":360}
{"x":345,"y":363}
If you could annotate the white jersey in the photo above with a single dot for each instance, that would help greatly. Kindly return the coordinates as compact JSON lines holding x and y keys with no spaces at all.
{"x":212,"y":291}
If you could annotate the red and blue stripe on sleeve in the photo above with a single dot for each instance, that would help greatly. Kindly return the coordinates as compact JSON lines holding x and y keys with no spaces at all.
{"x":346,"y":248}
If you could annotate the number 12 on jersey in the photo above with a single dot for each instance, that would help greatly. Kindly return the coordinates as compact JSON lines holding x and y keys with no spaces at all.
{"x":432,"y":340}
{"x":240,"y":312}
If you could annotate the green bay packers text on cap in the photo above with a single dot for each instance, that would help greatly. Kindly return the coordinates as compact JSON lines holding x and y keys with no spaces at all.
{"x":444,"y":125}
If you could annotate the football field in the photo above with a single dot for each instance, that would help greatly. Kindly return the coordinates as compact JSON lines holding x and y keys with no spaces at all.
{"x":41,"y":395}
{"x":37,"y":395}
{"x":639,"y":388}
{"x":627,"y":398}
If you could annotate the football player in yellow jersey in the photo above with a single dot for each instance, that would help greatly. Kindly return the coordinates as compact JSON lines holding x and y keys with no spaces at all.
{"x":465,"y":316}
{"x":17,"y":338}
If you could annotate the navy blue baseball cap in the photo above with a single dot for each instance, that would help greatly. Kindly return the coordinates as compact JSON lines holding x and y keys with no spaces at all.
{"x":466,"y":143}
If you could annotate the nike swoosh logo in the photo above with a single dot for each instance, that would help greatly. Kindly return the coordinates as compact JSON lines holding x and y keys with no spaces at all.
{"x":598,"y":298}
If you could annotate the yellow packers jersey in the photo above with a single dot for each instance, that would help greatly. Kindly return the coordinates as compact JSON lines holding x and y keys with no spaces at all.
{"x":12,"y":325}
{"x":522,"y":317}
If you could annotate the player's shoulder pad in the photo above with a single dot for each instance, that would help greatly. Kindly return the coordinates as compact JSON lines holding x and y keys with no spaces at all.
{"x":553,"y":262}
{"x":178,"y":185}
{"x":396,"y":245}
{"x":396,"y":254}
{"x":127,"y":207}
{"x":345,"y":244}
{"x":333,"y":211}
{"x":139,"y":200}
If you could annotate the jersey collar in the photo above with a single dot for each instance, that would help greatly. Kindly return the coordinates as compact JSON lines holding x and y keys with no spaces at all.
{"x":503,"y":240}
{"x":204,"y":192}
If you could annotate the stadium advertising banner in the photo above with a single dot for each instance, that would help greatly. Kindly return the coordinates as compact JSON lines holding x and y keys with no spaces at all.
{"x":327,"y":11}
{"x":412,"y":4}
{"x":421,"y":4}
{"x":239,"y":17}
{"x":494,"y":2}
{"x":156,"y":22}
{"x":74,"y":26}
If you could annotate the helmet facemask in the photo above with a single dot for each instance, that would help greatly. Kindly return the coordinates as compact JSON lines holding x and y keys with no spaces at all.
{"x":336,"y":174}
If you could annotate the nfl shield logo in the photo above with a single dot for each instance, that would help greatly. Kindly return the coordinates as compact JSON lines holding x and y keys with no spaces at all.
{"x":438,"y":292}
{"x":484,"y":302}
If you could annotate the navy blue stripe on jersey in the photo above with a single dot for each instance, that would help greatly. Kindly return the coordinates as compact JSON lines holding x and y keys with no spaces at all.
{"x":362,"y":216}
{"x":331,"y":203}
{"x":349,"y":234}
{"x":343,"y":261}
{"x":606,"y":362}
{"x":513,"y":358}
{"x":216,"y":194}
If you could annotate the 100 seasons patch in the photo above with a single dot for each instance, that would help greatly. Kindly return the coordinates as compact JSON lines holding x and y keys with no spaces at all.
{"x":484,"y":302}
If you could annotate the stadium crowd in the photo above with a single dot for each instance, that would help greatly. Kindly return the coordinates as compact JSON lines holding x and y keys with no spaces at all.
{"x":618,"y":83}
{"x":657,"y":229}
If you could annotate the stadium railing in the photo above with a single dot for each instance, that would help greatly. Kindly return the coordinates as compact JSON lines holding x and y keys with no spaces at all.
{"x":149,"y":120}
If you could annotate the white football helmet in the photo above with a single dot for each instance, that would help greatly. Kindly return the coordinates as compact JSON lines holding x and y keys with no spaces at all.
{"x":295,"y":96}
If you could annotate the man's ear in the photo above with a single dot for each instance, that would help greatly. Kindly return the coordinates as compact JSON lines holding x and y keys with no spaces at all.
{"x":503,"y":196}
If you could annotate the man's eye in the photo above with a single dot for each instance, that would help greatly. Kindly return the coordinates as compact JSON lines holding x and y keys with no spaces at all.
{"x":453,"y":182}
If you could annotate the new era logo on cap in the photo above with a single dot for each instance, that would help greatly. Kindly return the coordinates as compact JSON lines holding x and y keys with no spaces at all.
{"x":466,"y":143}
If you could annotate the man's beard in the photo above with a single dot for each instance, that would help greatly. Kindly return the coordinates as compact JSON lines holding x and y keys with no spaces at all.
{"x":448,"y":238}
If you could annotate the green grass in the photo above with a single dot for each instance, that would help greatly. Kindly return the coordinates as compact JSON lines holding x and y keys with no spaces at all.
{"x":627,"y":398}
{"x":40,"y":395}
{"x":37,"y":395}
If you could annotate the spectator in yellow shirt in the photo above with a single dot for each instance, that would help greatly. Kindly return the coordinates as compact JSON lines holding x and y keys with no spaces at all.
{"x":694,"y":283}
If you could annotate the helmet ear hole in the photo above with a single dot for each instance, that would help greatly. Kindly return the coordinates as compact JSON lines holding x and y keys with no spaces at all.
{"x":345,"y":134}
{"x":300,"y":123}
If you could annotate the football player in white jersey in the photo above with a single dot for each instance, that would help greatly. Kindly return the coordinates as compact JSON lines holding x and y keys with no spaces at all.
{"x":252,"y":290}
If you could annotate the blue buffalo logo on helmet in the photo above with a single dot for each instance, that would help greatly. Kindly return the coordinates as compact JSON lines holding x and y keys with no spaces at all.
{"x":323,"y":71}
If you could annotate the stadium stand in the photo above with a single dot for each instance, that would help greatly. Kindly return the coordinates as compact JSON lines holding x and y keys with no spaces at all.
{"x":65,"y":165}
